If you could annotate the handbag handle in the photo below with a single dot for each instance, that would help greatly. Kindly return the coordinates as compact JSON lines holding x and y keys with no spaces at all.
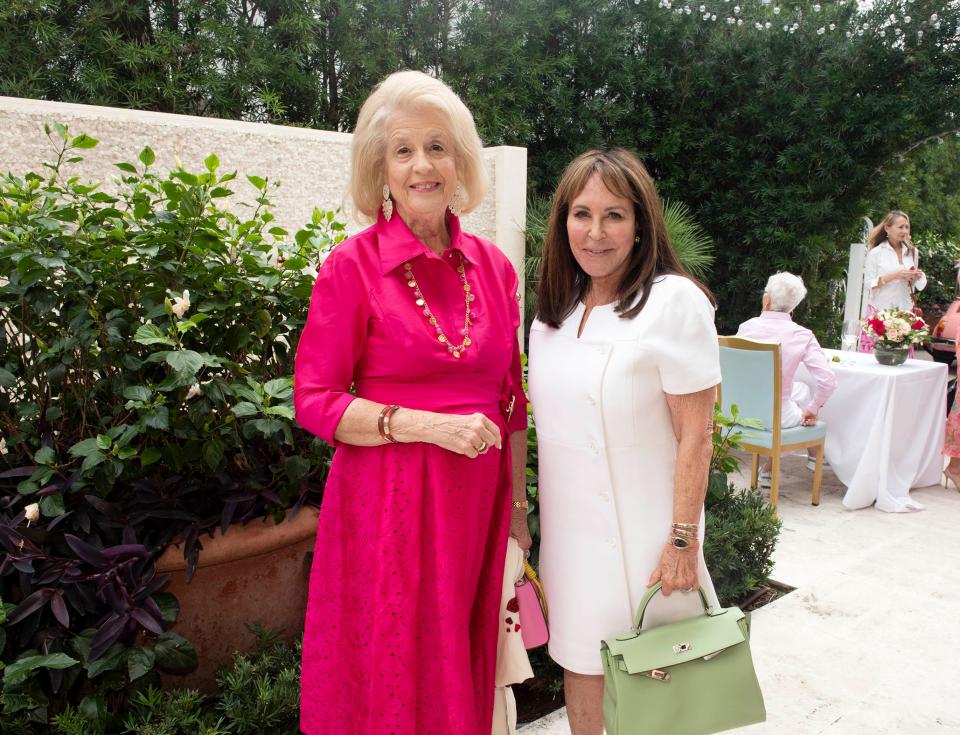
{"x":530,"y":576}
{"x":642,"y":607}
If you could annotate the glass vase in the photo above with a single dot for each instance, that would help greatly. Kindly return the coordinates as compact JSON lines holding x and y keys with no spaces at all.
{"x":890,"y":355}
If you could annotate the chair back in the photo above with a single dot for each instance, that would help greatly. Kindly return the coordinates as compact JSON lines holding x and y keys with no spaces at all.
{"x":750,"y":378}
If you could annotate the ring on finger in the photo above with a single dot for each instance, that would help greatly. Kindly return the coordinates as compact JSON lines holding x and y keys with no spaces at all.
{"x":482,"y":448}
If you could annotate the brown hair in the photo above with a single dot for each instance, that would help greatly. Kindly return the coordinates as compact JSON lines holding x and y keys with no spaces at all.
{"x":563,"y":282}
{"x":879,"y":233}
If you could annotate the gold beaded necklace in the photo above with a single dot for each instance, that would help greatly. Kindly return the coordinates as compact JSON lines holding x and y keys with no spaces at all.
{"x":455,"y":350}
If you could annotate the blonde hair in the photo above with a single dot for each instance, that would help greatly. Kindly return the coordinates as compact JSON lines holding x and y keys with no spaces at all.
{"x":412,"y":91}
{"x":879,"y":233}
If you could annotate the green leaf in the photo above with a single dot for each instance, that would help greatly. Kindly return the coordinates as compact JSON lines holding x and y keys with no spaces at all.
{"x":284,"y":410}
{"x":169,"y":607}
{"x":45,"y":455}
{"x":158,"y":418}
{"x":109,"y":661}
{"x":150,"y":455}
{"x":174,"y":654}
{"x":147,"y":156}
{"x":245,"y":408}
{"x":7,"y":379}
{"x":104,"y":441}
{"x":150,"y":334}
{"x":20,"y":670}
{"x":258,"y":182}
{"x":61,"y":130}
{"x":185,"y":362}
{"x":128,"y":167}
{"x":84,"y":141}
{"x":52,"y":506}
{"x":220,"y":191}
{"x":279,"y":388}
{"x":84,"y":448}
{"x":92,"y":460}
{"x":137,"y":393}
{"x":213,"y":453}
{"x":140,"y":661}
{"x":211,"y":162}
{"x":296,"y":467}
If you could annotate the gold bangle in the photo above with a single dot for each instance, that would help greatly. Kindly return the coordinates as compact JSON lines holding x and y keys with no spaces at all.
{"x":521,"y":504}
{"x":383,"y":423}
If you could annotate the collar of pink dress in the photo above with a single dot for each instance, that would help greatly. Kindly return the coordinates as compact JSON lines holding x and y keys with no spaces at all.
{"x":398,"y":244}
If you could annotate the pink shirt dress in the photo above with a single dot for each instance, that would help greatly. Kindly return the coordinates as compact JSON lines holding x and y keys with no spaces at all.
{"x":401,"y":629}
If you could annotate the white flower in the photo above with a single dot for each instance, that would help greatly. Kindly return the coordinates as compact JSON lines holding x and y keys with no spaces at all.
{"x":736,"y":10}
{"x":833,"y":26}
{"x":703,"y":8}
{"x":730,"y":21}
{"x":776,"y":10}
{"x":181,"y":304}
{"x":687,"y":10}
{"x":849,"y":34}
{"x":919,"y":34}
{"x":193,"y":392}
{"x":714,"y":17}
{"x":820,"y":31}
{"x":767,"y":25}
{"x":816,"y":7}
{"x":739,"y":21}
{"x":758,"y":26}
{"x":3,"y":446}
{"x":32,"y":513}
{"x":786,"y":28}
{"x":934,"y":18}
{"x":907,"y":19}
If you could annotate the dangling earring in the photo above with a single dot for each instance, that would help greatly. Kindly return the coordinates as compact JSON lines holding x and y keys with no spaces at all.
{"x":636,"y":240}
{"x":456,"y":204}
{"x":387,"y":203}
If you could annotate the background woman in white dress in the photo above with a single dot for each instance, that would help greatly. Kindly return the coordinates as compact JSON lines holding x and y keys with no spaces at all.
{"x":891,"y":270}
{"x":623,"y":368}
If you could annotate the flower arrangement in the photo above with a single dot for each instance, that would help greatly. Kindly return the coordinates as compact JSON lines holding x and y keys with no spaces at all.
{"x":895,"y":329}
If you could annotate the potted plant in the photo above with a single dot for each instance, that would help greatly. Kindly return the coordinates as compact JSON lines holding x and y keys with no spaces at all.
{"x":894,"y":332}
{"x":145,"y":400}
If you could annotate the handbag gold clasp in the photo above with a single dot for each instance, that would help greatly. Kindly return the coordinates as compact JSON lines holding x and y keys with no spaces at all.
{"x":658,"y":674}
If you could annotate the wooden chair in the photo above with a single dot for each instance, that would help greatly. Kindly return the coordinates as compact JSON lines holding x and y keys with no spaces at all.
{"x":751,"y":379}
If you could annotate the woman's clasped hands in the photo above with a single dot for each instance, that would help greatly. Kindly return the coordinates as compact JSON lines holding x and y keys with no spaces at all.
{"x":471,"y":434}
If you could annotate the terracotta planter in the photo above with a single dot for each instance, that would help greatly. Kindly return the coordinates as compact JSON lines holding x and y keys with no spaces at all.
{"x":256,"y":573}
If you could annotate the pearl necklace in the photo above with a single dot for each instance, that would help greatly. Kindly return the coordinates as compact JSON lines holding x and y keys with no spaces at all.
{"x":455,"y":350}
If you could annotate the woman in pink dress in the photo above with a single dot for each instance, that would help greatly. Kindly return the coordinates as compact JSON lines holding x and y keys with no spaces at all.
{"x":409,"y":365}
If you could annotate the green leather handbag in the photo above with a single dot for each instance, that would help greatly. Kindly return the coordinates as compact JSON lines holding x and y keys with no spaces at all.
{"x":691,"y":677}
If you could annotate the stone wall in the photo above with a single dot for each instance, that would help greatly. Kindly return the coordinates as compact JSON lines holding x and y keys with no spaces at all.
{"x":311,"y":165}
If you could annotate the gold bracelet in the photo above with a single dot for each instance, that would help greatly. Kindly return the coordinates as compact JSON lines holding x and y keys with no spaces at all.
{"x":383,"y":423}
{"x":521,"y":504}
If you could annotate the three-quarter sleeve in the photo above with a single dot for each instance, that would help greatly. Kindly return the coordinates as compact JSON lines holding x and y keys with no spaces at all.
{"x":518,"y":419}
{"x":332,"y":342}
{"x":688,"y":356}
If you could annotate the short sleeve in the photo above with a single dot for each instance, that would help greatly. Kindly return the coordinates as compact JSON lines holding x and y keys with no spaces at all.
{"x":688,"y":356}
{"x":332,"y":342}
{"x":518,"y":419}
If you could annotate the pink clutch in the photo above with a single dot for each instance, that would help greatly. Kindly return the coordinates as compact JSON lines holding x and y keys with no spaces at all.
{"x":532,"y":609}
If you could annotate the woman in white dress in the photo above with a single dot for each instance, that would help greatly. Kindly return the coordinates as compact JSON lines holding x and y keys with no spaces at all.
{"x":623,"y":368}
{"x":891,"y":271}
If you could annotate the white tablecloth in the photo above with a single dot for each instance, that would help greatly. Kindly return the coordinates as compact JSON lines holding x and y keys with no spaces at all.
{"x":885,"y":428}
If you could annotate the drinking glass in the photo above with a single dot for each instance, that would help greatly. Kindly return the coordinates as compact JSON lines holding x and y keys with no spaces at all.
{"x":850,"y":335}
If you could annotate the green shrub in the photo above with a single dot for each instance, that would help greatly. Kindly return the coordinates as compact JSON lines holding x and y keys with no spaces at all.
{"x":741,"y":534}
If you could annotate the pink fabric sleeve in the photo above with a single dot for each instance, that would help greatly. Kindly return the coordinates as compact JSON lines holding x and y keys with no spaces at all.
{"x":816,"y":362}
{"x":332,"y":342}
{"x":518,"y":421}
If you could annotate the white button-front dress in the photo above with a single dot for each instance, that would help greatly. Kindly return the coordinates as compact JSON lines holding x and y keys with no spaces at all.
{"x":607,"y":453}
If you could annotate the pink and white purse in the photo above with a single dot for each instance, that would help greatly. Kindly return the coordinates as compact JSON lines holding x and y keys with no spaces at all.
{"x":532,"y":604}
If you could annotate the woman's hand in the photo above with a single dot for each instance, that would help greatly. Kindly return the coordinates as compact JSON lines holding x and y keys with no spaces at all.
{"x":472,"y":434}
{"x":519,"y":528}
{"x":678,"y":569}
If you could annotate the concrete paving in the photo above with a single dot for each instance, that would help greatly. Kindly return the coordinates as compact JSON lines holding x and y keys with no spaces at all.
{"x":869,"y":642}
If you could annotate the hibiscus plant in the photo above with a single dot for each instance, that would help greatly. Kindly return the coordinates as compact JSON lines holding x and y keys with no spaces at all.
{"x":146,"y":358}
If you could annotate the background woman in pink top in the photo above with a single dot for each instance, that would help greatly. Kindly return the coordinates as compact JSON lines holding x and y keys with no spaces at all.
{"x":409,"y":364}
{"x":799,"y":406}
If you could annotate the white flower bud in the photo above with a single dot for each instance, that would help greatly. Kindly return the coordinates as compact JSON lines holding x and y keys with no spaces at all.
{"x":181,"y":304}
{"x":193,"y":392}
{"x":3,"y":446}
{"x":32,"y":513}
